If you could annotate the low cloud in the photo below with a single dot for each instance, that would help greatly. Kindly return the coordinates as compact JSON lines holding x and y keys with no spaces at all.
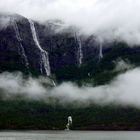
{"x":123,"y":90}
{"x":13,"y":84}
{"x":122,"y":65}
{"x":4,"y":21}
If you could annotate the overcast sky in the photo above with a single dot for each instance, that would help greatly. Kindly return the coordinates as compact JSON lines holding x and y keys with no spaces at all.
{"x":113,"y":19}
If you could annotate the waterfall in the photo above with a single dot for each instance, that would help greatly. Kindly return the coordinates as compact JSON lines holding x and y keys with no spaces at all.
{"x":21,"y":48}
{"x":53,"y":82}
{"x":44,"y":63}
{"x":80,"y":52}
{"x":101,"y":51}
{"x":100,"y":48}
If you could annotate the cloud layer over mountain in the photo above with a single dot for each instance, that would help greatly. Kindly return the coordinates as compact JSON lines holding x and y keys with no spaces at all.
{"x":110,"y":19}
{"x":123,"y":90}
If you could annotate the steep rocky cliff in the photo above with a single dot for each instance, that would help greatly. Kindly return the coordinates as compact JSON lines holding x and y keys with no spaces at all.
{"x":37,"y":49}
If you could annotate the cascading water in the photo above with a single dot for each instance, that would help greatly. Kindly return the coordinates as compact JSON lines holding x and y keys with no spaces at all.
{"x":44,"y":63}
{"x":53,"y":82}
{"x":21,"y":48}
{"x":80,"y":52}
{"x":100,"y":48}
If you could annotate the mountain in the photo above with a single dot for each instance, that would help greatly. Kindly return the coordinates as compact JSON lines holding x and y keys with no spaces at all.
{"x":62,"y":53}
{"x":57,"y":51}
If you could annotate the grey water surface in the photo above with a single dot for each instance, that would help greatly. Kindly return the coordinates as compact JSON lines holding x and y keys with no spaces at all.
{"x":70,"y":135}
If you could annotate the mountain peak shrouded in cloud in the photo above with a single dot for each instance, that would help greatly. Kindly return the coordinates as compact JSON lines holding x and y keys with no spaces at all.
{"x":6,"y":19}
{"x":102,"y":19}
{"x":111,"y":19}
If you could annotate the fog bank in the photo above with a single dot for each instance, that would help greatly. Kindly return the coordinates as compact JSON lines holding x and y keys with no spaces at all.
{"x":123,"y":90}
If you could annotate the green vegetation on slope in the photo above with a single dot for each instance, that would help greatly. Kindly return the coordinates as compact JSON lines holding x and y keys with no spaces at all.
{"x":99,"y":72}
{"x":21,"y":114}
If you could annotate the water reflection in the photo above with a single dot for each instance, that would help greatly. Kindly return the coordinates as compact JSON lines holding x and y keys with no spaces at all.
{"x":69,"y":135}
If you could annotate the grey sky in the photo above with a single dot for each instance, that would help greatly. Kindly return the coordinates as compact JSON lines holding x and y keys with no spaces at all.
{"x":111,"y":19}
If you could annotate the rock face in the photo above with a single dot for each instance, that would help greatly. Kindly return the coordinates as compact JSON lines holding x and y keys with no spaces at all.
{"x":37,"y":49}
{"x":28,"y":46}
{"x":20,"y":48}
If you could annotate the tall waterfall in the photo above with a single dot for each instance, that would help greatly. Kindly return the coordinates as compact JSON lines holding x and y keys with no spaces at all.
{"x":100,"y":48}
{"x":21,"y":48}
{"x":80,"y":51}
{"x":44,"y":63}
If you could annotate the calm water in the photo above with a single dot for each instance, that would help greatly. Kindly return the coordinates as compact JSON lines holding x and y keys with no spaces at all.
{"x":72,"y":135}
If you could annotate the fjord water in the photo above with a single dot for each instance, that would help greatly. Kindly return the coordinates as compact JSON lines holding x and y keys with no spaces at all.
{"x":70,"y":135}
